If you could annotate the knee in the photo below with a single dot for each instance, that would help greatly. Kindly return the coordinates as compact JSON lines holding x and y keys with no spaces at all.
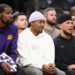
{"x":59,"y":72}
{"x":33,"y":71}
{"x":2,"y":72}
{"x":37,"y":73}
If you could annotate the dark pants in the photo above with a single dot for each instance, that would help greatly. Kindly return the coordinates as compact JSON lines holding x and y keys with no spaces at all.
{"x":20,"y":71}
{"x":70,"y":72}
{"x":29,"y":70}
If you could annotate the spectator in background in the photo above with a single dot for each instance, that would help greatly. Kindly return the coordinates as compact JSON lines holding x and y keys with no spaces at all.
{"x":12,"y":3}
{"x":50,"y":26}
{"x":20,"y":19}
{"x":65,"y":46}
{"x":72,"y":12}
{"x":8,"y":40}
{"x":27,"y":6}
{"x":73,"y":19}
{"x":63,"y":4}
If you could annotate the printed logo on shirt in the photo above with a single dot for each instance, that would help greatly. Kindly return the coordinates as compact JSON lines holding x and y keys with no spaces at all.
{"x":10,"y":37}
{"x":62,"y":46}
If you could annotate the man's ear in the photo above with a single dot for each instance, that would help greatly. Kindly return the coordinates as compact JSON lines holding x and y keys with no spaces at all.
{"x":0,"y":15}
{"x":31,"y":23}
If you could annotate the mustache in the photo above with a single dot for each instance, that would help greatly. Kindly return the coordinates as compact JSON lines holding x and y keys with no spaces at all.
{"x":67,"y":33}
{"x":51,"y":23}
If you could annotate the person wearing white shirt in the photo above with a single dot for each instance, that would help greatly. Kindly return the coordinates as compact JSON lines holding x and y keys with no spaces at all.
{"x":36,"y":48}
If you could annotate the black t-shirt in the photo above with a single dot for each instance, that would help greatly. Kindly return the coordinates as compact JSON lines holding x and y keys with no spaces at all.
{"x":64,"y":52}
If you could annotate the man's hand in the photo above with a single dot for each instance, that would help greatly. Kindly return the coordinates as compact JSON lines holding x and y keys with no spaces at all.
{"x":50,"y":68}
{"x":6,"y":67}
{"x":70,"y":67}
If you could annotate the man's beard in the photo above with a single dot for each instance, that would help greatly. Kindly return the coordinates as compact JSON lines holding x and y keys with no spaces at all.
{"x":73,"y":27}
{"x":67,"y":33}
{"x":7,"y":23}
{"x":51,"y":23}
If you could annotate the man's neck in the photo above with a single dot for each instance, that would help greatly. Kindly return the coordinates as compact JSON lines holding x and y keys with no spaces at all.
{"x":33,"y":31}
{"x":49,"y":27}
{"x":65,"y":36}
{"x":73,"y":32}
{"x":2,"y":25}
{"x":21,"y":28}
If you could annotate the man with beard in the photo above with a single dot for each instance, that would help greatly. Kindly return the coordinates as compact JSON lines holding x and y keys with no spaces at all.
{"x":8,"y":42}
{"x":72,"y":12}
{"x":73,"y":19}
{"x":36,"y":48}
{"x":65,"y":46}
{"x":50,"y":26}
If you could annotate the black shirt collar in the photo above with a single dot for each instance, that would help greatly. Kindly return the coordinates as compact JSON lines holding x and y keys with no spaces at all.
{"x":65,"y":38}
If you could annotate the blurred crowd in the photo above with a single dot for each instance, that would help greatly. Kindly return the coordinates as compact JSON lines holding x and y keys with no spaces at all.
{"x":28,"y":6}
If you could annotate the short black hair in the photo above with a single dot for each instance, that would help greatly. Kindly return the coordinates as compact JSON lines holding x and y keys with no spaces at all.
{"x":64,"y":17}
{"x":16,"y":15}
{"x":3,"y":6}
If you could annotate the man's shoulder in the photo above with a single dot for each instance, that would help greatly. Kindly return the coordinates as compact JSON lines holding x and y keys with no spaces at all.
{"x":73,"y":37}
{"x":24,"y":33}
{"x":57,"y":38}
{"x":13,"y":26}
{"x":47,"y":35}
{"x":14,"y":29}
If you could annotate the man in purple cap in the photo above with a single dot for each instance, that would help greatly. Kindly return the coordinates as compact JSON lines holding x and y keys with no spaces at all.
{"x":36,"y":48}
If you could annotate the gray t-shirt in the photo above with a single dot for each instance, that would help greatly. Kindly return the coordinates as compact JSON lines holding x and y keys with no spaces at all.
{"x":54,"y":34}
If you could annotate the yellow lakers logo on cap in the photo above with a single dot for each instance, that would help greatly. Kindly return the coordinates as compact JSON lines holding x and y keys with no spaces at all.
{"x":10,"y":37}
